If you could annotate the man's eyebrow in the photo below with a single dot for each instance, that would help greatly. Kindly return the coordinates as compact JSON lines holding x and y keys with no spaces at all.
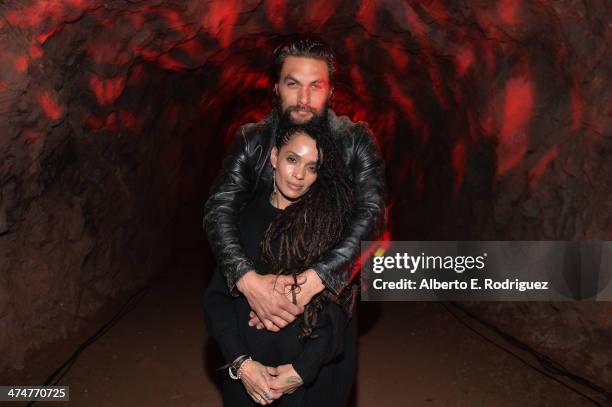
{"x":291,"y":78}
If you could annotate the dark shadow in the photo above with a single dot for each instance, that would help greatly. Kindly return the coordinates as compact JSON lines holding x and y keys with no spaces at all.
{"x":369,"y":313}
{"x":211,"y":360}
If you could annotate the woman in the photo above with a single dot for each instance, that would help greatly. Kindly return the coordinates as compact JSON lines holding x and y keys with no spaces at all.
{"x":285,"y":228}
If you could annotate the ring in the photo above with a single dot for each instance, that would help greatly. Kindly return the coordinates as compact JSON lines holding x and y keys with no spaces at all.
{"x":265,"y":394}
{"x":258,"y":400}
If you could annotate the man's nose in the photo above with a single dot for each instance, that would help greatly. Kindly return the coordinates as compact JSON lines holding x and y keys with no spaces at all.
{"x":304,"y":96}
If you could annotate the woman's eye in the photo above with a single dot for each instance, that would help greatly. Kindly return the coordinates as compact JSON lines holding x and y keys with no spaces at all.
{"x":291,"y":159}
{"x":312,"y":169}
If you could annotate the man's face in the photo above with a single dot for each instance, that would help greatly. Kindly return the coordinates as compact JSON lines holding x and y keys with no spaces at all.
{"x":303,"y":88}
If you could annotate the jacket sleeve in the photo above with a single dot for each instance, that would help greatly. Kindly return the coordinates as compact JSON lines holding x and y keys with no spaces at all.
{"x":330,"y":328}
{"x":222,"y":320}
{"x":228,"y":195}
{"x":334,"y":267}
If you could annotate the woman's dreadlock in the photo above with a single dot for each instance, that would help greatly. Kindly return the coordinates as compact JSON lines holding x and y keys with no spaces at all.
{"x":312,"y":225}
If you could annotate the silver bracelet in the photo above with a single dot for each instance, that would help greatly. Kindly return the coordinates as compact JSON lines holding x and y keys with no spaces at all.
{"x":239,"y":370}
{"x":234,"y":369}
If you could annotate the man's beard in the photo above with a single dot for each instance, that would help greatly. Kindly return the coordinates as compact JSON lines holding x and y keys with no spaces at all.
{"x":318,"y":118}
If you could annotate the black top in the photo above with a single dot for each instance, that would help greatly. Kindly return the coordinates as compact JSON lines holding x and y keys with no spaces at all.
{"x":227,"y":316}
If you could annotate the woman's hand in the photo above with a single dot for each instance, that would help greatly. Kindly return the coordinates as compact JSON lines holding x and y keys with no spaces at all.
{"x":286,"y":381}
{"x":257,"y":379}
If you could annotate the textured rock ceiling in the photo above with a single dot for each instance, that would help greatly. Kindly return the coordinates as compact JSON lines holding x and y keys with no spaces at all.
{"x":467,"y":98}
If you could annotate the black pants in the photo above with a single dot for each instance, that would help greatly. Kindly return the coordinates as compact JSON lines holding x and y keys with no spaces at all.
{"x":332,"y":388}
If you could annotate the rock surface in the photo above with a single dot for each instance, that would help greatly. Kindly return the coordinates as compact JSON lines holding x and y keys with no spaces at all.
{"x":493,"y":118}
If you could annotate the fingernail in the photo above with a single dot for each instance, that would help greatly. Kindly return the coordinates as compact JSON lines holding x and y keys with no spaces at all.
{"x":250,"y":323}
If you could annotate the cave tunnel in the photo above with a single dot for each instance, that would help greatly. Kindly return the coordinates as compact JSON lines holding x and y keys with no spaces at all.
{"x":493,"y":119}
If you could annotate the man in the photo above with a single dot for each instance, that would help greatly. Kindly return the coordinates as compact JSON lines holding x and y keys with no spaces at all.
{"x":301,"y":73}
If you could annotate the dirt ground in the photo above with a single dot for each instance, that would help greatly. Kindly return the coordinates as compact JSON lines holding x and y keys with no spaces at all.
{"x":410,"y":354}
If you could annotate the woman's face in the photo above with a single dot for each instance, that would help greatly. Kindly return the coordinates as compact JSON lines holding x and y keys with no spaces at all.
{"x":295,"y":167}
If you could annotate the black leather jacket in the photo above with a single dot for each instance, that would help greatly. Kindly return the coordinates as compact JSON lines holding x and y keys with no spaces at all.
{"x":247,"y":167}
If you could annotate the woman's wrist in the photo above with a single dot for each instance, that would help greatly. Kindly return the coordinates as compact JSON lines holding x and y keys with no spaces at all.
{"x":236,"y":365}
{"x":295,"y":376}
{"x":242,"y":365}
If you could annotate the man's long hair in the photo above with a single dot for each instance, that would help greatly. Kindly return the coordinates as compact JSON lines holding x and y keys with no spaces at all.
{"x":316,"y":222}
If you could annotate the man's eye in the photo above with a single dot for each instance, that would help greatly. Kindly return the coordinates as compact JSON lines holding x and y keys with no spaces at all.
{"x":291,"y":84}
{"x":316,"y":87}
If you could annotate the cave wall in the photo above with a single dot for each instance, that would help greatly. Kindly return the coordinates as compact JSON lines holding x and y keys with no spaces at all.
{"x":493,"y":119}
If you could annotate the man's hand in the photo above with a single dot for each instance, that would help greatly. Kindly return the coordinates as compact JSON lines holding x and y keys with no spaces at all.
{"x":266,"y":297}
{"x":286,"y":381}
{"x":304,"y":294}
{"x":310,"y":288}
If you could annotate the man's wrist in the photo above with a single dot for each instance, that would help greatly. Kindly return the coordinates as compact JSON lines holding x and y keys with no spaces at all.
{"x":243,"y":283}
{"x":329,"y":284}
{"x":317,"y":284}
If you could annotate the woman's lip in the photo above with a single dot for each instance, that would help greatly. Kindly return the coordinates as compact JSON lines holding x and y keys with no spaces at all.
{"x":293,"y":186}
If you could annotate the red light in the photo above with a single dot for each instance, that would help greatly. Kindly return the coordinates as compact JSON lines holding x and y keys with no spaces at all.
{"x":540,"y":167}
{"x":518,"y":108}
{"x":108,"y":90}
{"x":21,"y":63}
{"x":50,"y":106}
{"x":506,"y":9}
